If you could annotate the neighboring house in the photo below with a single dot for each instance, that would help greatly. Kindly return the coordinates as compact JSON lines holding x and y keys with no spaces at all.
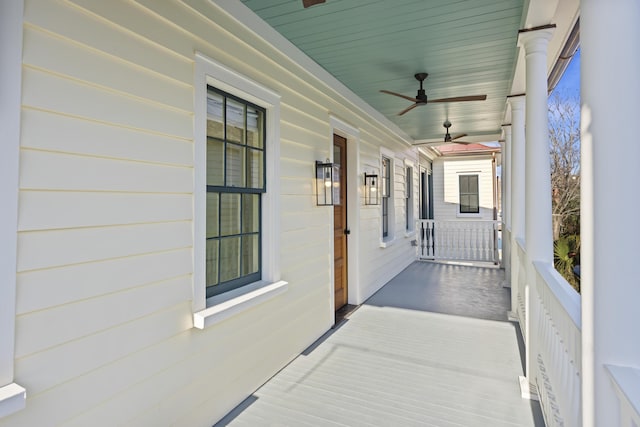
{"x":463,"y":196}
{"x":465,"y":185}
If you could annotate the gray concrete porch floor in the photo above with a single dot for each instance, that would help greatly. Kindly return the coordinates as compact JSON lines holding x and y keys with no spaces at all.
{"x":431,"y":348}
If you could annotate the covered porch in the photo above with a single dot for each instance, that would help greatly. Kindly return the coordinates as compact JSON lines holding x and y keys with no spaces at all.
{"x":106,"y":179}
{"x":432,"y":347}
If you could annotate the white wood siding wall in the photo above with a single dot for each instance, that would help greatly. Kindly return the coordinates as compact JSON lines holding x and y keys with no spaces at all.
{"x":380,"y":264}
{"x":446,"y":193}
{"x":103,"y":331}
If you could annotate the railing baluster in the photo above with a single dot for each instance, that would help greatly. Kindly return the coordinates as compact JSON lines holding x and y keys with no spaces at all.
{"x":472,"y":240}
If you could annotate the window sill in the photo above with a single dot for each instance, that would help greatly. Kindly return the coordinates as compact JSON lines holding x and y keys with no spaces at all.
{"x":221,"y":307}
{"x":13,"y":398}
{"x":409,"y":233}
{"x":463,"y":215}
{"x":388,"y":242}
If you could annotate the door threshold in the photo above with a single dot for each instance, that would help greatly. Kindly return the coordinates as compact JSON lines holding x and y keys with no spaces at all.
{"x":343,"y":313}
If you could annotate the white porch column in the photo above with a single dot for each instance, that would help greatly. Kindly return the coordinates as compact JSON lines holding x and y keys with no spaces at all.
{"x":506,"y":200}
{"x":516,"y":189}
{"x":538,"y":224}
{"x":610,"y":233}
{"x":506,"y":176}
{"x":518,"y":165}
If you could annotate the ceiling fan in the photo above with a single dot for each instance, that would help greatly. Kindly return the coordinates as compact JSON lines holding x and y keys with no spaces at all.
{"x":447,"y":137}
{"x":454,"y":139}
{"x":421,"y":97}
{"x":309,"y":3}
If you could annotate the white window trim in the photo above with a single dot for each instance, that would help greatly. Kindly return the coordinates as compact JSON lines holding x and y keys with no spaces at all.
{"x":391,"y":237}
{"x":468,"y":215}
{"x":12,"y":396}
{"x":210,"y":311}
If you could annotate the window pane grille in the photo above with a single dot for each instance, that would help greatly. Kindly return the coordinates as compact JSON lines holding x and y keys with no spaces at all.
{"x":236,"y":172}
{"x":212,"y":262}
{"x":255,"y":127}
{"x":235,"y":121}
{"x":250,"y":213}
{"x":408,"y":198}
{"x":229,"y":258}
{"x":235,"y":182}
{"x":386,"y":191}
{"x":255,"y":170}
{"x":213,"y":223}
{"x":249,"y":254}
{"x":215,"y":162}
{"x":229,"y":214}
{"x":469,"y":198}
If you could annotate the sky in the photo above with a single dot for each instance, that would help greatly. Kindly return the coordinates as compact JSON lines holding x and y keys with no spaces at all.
{"x":569,"y":83}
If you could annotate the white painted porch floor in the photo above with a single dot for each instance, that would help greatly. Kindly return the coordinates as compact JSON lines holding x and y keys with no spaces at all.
{"x":431,"y":348}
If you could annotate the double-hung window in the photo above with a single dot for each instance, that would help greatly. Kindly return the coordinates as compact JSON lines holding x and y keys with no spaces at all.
{"x":469,"y":198}
{"x":408,"y":197}
{"x":236,"y":219}
{"x":386,"y":195}
{"x":235,"y":182}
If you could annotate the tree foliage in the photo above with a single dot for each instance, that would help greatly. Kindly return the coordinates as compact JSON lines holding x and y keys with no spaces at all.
{"x":564,"y":150}
{"x":564,"y":141}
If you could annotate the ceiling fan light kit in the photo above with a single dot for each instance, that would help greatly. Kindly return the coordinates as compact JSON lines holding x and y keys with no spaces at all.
{"x":421,"y":97}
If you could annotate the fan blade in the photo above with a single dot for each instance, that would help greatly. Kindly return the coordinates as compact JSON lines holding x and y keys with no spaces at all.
{"x":409,"y":108}
{"x":463,"y":142}
{"x":309,"y":3}
{"x":458,"y":136}
{"x":461,"y":98}
{"x":408,"y":98}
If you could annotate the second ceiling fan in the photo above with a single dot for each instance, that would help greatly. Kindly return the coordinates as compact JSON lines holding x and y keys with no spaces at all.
{"x":421,"y":97}
{"x":447,"y":137}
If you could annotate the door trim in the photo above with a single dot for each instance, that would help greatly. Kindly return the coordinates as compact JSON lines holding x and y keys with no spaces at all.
{"x":340,"y":235}
{"x":352,"y":134}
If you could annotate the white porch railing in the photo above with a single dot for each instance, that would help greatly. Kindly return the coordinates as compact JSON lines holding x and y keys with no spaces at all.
{"x":547,"y":309}
{"x":626,"y":382}
{"x":464,"y":240}
{"x":553,"y":313}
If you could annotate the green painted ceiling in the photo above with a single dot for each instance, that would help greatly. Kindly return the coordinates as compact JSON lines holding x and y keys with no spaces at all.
{"x":468,"y":47}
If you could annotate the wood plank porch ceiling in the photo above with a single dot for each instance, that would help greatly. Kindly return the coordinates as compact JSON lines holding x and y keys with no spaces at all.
{"x":468,"y":47}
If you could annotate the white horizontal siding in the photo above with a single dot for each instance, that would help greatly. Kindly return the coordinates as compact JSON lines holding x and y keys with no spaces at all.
{"x":381,"y":264}
{"x":46,"y":369}
{"x":47,"y":249}
{"x":41,"y":289}
{"x":66,"y":57}
{"x":104,"y":333}
{"x":76,"y":135}
{"x":44,"y":329}
{"x":51,"y":92}
{"x":65,"y":20}
{"x":47,"y":210}
{"x":83,"y":173}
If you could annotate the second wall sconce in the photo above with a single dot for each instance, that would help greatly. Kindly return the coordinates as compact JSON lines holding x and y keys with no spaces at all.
{"x":371,"y":193}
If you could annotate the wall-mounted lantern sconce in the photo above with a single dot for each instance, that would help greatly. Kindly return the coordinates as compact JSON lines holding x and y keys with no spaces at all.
{"x":371,"y":196}
{"x":324,"y":183}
